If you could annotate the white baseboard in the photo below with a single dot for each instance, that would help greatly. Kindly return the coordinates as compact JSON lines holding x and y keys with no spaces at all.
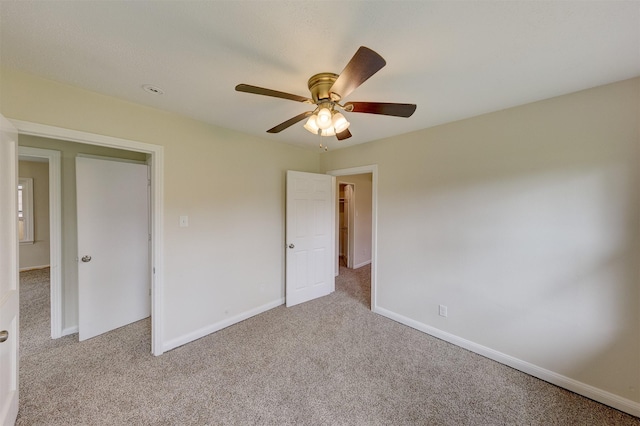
{"x":360,"y":265}
{"x":591,"y":392}
{"x":69,"y":330}
{"x":195,"y":335}
{"x":33,"y":268}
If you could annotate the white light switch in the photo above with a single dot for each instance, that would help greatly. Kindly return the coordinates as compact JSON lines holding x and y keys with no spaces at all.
{"x":184,"y":221}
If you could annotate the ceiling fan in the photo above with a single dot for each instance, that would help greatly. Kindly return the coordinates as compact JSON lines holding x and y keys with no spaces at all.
{"x":328,"y":89}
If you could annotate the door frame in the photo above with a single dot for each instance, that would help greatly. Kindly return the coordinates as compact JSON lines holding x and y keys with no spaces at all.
{"x":156,"y":163}
{"x":25,"y":153}
{"x":373,"y":169}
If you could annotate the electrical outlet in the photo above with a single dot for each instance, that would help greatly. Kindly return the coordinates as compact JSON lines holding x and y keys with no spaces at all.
{"x":442,"y":310}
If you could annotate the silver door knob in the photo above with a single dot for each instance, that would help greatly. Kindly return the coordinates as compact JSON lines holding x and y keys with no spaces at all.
{"x":4,"y":335}
{"x":292,"y":245}
{"x":86,"y":258}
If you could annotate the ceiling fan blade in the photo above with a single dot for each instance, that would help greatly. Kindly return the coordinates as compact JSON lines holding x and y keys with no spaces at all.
{"x":383,"y":108}
{"x":363,"y":65}
{"x":268,"y":92}
{"x":290,"y":122}
{"x":345,"y":134}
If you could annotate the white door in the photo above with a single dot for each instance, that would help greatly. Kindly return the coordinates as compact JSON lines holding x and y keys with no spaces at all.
{"x":113,"y":245}
{"x":309,"y":236}
{"x":8,"y":273}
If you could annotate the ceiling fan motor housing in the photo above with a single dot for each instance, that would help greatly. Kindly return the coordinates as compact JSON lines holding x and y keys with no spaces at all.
{"x":319,"y":86}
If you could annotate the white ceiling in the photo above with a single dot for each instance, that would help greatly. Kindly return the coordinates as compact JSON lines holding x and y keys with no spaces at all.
{"x":453,"y":59}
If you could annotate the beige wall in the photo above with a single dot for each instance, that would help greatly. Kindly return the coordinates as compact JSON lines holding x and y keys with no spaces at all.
{"x":525,"y":223}
{"x":230,"y":260}
{"x":37,"y":254}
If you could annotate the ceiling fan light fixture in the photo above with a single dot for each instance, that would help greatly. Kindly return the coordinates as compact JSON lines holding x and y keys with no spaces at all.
{"x":312,"y":125}
{"x":324,"y":118}
{"x":327,"y":90}
{"x":340,"y":123}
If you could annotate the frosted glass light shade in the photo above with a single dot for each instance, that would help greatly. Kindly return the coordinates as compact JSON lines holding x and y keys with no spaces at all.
{"x":340,"y":123}
{"x":312,"y":125}
{"x":324,"y":118}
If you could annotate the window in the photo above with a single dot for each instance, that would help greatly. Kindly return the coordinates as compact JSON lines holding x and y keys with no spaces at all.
{"x":25,"y":210}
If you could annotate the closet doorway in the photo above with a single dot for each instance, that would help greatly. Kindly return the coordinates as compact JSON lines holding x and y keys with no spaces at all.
{"x":346,"y":207}
{"x":354,"y":221}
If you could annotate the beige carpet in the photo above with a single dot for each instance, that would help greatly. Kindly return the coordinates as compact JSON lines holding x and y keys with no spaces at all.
{"x":326,"y":362}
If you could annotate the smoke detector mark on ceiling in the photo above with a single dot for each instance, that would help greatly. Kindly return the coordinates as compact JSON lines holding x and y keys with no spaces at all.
{"x":155,"y":90}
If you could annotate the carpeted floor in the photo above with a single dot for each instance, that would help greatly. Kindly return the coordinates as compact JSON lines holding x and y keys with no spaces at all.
{"x":326,"y":362}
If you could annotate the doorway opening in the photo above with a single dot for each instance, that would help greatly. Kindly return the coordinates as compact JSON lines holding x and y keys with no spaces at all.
{"x":154,"y":155}
{"x":42,"y":299}
{"x":46,"y":250}
{"x":356,"y":222}
{"x":346,"y":225}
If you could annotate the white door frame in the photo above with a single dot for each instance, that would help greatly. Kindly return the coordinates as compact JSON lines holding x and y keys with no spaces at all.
{"x":156,"y":163}
{"x":55,"y":230}
{"x":373,"y":169}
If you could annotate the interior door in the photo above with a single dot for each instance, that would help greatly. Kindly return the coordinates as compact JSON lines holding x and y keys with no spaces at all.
{"x":8,"y":272}
{"x":310,"y":233}
{"x":113,"y":245}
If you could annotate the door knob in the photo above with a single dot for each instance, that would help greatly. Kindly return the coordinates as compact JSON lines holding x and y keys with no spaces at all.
{"x":86,"y":258}
{"x":4,"y":335}
{"x":292,"y":245}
